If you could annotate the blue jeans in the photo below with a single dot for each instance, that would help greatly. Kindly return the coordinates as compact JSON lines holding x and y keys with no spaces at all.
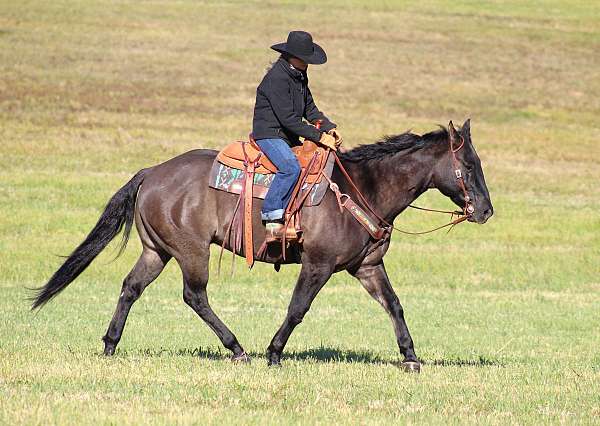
{"x":278,"y":197}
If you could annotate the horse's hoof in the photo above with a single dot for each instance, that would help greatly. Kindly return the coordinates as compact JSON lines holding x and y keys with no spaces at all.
{"x":411,"y":366}
{"x":241,"y":358}
{"x":273,"y":359}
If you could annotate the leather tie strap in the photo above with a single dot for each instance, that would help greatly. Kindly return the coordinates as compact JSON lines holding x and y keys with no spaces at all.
{"x":250,"y":166}
{"x":248,"y":243}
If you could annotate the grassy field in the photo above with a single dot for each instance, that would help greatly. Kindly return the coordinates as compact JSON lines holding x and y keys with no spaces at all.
{"x":505,"y":316}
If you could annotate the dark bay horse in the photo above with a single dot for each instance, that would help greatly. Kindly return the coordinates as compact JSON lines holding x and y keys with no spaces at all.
{"x":178,"y":216}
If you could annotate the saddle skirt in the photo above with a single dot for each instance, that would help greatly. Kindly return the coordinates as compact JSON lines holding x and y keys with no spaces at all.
{"x":228,"y":170}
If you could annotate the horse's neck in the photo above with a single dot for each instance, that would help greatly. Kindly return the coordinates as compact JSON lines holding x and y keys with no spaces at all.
{"x":390,"y":185}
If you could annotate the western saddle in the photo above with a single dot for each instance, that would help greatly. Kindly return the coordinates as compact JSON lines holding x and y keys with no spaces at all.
{"x":239,"y":154}
{"x":247,"y":156}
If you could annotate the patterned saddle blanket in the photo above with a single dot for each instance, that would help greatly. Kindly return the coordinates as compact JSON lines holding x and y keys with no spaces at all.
{"x":227,"y":173}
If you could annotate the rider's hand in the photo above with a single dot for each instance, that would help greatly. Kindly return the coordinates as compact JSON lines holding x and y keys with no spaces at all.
{"x":328,"y":141}
{"x":336,"y":135}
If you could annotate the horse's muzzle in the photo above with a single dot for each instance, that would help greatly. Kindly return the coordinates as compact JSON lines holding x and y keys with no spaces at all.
{"x":482,"y":217}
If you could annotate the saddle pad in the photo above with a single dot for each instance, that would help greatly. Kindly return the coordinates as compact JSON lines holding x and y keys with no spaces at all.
{"x":229,"y":179}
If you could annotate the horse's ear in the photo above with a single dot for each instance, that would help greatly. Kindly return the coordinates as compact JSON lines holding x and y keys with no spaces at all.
{"x":452,"y":132}
{"x":466,"y":128}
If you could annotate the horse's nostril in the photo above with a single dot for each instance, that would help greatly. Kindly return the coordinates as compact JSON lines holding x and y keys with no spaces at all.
{"x":488,"y":213}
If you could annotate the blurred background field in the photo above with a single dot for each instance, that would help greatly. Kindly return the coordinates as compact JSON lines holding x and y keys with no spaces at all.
{"x":504,"y":315}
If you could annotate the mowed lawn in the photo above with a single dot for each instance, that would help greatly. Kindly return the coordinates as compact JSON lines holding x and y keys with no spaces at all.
{"x":505,"y":316}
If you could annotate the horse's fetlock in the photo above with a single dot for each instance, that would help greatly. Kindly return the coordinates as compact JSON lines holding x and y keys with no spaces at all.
{"x":232,"y":344}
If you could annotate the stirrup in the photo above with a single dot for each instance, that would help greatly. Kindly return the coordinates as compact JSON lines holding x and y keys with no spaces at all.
{"x":274,"y":232}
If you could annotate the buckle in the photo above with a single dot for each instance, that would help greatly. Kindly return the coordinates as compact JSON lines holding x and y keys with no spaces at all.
{"x":343,"y":200}
{"x":458,"y":173}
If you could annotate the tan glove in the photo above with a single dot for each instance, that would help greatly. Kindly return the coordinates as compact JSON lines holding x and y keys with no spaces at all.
{"x":337,"y":136}
{"x":328,"y":141}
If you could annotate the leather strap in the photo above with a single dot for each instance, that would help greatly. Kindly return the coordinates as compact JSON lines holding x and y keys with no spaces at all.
{"x":250,"y":165}
{"x":297,"y":201}
{"x":363,"y":218}
{"x":248,"y":244}
{"x":345,"y":202}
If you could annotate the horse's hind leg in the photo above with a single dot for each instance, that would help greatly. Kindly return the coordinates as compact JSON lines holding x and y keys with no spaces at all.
{"x":375,"y":280}
{"x":147,"y":268}
{"x":195,"y":279}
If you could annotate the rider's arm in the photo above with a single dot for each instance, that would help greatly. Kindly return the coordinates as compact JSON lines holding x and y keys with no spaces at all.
{"x":313,"y":114}
{"x":281,"y":101}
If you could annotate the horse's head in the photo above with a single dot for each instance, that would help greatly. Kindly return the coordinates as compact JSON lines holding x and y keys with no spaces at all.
{"x":461,"y":165}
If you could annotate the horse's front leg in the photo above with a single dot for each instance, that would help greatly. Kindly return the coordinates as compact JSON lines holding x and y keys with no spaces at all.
{"x":311,"y":280}
{"x":375,"y":280}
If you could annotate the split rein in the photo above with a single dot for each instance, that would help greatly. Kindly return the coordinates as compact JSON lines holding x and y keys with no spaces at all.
{"x":463,"y":215}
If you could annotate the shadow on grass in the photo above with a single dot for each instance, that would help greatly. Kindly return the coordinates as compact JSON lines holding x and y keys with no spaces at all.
{"x":204,"y":353}
{"x":326,"y":354}
{"x":321,"y":354}
{"x":461,"y":362}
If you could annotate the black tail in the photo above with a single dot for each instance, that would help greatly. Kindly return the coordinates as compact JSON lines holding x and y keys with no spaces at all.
{"x":118,"y":213}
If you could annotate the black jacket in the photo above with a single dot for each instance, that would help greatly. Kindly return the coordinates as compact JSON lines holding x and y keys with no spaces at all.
{"x":283,"y":99}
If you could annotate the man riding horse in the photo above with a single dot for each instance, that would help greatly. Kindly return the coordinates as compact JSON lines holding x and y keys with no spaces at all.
{"x":283,"y":99}
{"x":179,"y":215}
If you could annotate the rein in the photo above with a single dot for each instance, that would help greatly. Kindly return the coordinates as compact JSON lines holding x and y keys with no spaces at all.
{"x":466,"y":213}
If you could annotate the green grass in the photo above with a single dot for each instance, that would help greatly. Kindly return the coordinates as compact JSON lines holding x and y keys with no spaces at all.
{"x":505,"y":316}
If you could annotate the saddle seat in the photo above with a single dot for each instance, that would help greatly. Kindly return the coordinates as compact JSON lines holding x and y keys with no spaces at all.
{"x":234,"y":155}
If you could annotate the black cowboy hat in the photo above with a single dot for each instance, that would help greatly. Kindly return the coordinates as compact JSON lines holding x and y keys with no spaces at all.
{"x":300,"y":44}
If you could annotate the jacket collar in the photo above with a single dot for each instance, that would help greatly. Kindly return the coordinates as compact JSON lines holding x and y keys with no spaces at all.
{"x":292,"y":72}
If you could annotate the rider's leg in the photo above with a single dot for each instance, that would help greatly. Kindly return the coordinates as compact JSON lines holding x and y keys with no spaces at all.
{"x":278,"y":196}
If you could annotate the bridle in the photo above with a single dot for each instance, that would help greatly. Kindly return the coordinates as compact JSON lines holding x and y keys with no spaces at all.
{"x":467,"y":210}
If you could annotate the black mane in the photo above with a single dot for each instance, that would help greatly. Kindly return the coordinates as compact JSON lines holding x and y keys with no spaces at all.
{"x":404,"y":143}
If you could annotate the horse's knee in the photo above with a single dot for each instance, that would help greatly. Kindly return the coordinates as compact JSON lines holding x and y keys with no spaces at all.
{"x":296,"y":317}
